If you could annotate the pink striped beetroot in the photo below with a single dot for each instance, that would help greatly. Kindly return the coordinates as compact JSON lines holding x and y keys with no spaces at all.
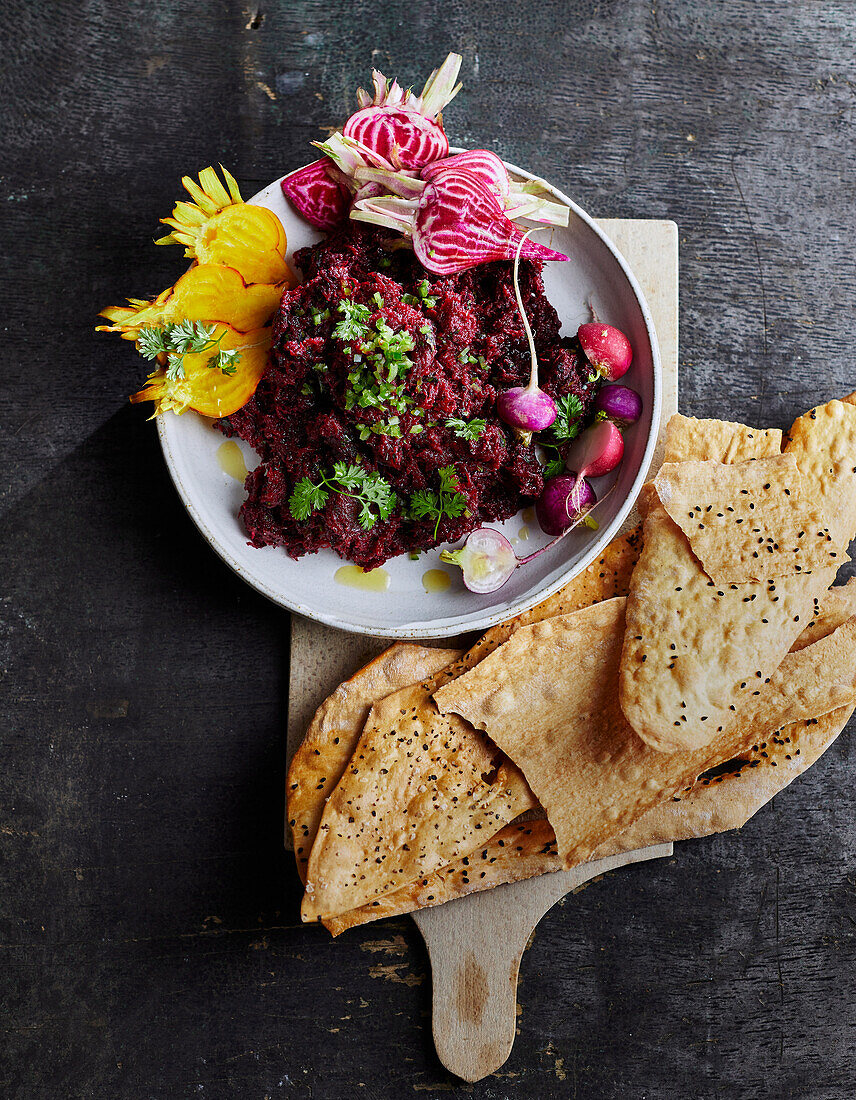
{"x":316,"y":195}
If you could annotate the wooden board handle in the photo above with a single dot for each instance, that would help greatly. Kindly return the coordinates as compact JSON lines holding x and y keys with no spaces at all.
{"x":475,"y":945}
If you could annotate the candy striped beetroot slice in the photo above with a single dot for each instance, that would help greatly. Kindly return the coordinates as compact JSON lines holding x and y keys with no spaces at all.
{"x":460,"y":223}
{"x":402,"y":136}
{"x":316,"y":195}
{"x":481,"y":162}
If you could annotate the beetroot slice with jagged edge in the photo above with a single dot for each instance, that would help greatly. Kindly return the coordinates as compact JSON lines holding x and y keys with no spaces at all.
{"x":316,"y":195}
{"x":460,"y":222}
{"x":404,"y":137}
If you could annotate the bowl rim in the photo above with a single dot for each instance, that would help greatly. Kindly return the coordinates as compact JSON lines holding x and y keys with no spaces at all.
{"x":449,"y":627}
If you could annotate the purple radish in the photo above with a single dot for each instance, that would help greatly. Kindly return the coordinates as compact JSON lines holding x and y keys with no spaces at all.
{"x":486,"y":559}
{"x":563,"y":503}
{"x":596,"y":451}
{"x":527,"y":408}
{"x":619,"y":404}
{"x":316,"y":195}
{"x":606,"y":348}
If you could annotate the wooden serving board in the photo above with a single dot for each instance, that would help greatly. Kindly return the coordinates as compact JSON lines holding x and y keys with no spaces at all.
{"x":476,"y":943}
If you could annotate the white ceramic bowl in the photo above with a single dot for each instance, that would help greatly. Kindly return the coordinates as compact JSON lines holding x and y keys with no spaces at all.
{"x":597,"y":273}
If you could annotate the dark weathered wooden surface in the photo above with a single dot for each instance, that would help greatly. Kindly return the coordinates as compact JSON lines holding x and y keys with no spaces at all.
{"x":150,"y":941}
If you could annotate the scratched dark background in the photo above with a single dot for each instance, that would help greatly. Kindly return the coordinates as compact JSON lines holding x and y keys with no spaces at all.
{"x":150,"y":939}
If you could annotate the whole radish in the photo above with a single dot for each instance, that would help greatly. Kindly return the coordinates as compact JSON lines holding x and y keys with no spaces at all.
{"x":606,"y":348}
{"x":619,"y":404}
{"x":527,"y":408}
{"x":563,"y":503}
{"x":596,"y":451}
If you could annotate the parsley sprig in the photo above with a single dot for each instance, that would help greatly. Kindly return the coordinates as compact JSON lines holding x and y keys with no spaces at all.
{"x":568,"y":422}
{"x":449,"y":501}
{"x":470,"y":430}
{"x":553,"y":467}
{"x":186,"y":337}
{"x":374,"y":495}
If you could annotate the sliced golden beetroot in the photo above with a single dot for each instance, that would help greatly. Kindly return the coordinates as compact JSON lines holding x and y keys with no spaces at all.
{"x":219,"y":227}
{"x":208,"y":389}
{"x":207,"y":292}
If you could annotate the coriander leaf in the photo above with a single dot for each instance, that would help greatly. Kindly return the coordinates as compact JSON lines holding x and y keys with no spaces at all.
{"x":450,"y":501}
{"x":463,"y":430}
{"x":423,"y":503}
{"x":366,"y":519}
{"x":553,"y":468}
{"x":306,"y":499}
{"x":448,"y":479}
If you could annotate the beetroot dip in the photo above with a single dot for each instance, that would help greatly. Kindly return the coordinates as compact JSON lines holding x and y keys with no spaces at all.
{"x":453,"y":343}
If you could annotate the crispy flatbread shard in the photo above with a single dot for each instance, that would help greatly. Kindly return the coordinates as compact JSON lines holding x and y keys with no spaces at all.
{"x":323,"y":755}
{"x":591,"y":773}
{"x":729,"y":794}
{"x":695,"y":650}
{"x":606,"y":577}
{"x":749,"y":520}
{"x":518,"y":851}
{"x":718,"y":440}
{"x":421,"y":790}
{"x":713,"y":804}
{"x":823,"y":442}
{"x":832,"y":609}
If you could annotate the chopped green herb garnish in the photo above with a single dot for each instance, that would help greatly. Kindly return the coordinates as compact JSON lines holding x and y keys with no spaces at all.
{"x":186,"y":337}
{"x":380,"y":360}
{"x":370,"y":490}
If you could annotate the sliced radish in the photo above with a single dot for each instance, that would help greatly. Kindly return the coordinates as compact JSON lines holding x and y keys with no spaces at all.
{"x":486,"y":559}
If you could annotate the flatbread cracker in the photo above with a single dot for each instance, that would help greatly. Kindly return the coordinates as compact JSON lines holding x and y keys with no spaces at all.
{"x":712,"y":804}
{"x":420,"y":791}
{"x":520,"y":851}
{"x":694,"y":649}
{"x":718,"y":440}
{"x":723,"y":641}
{"x":833,"y":608}
{"x":589,"y":771}
{"x":749,"y":520}
{"x":732,"y":792}
{"x":607,"y":576}
{"x":823,"y":442}
{"x":323,"y":755}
